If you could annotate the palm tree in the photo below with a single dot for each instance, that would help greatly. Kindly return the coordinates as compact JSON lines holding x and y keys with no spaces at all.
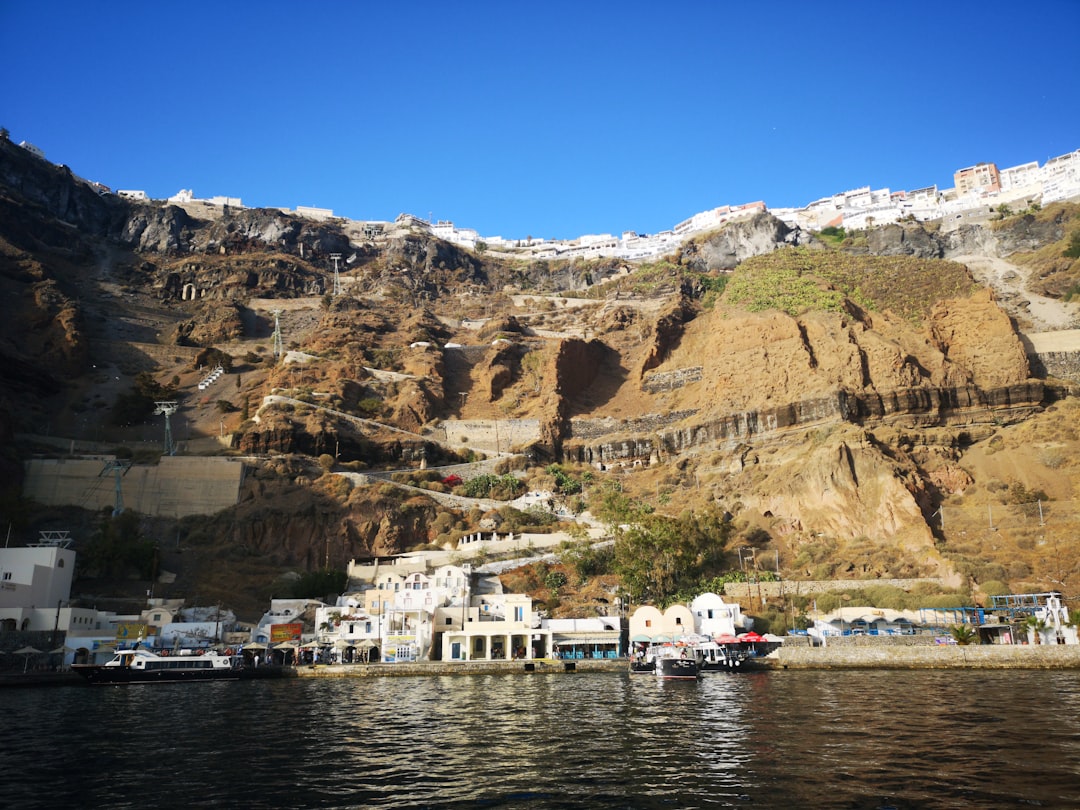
{"x":963,"y":634}
{"x":1036,"y":625}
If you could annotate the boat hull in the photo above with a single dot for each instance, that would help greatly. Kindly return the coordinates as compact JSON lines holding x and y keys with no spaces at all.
{"x":676,"y":669}
{"x":98,"y":675}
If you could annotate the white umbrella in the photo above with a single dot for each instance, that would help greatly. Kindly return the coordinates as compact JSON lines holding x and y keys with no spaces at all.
{"x":27,"y":652}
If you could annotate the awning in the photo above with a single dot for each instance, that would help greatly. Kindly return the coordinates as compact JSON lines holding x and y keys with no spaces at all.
{"x":641,"y":637}
{"x":568,"y":642}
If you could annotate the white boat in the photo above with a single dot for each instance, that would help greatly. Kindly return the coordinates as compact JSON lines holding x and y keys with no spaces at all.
{"x":667,"y":661}
{"x":146,"y":666}
{"x":713,"y":657}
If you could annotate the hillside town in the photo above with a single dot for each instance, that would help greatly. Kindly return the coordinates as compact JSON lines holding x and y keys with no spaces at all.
{"x":977,"y":193}
{"x":404,"y":610}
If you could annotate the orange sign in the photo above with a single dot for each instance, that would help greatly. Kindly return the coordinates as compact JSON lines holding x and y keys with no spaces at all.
{"x":285,"y":632}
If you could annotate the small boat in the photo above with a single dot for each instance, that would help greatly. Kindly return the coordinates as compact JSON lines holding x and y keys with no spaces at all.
{"x":677,"y":663}
{"x":146,"y":666}
{"x":668,"y":662}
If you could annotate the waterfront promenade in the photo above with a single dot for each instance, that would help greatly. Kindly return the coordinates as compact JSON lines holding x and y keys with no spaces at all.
{"x":523,"y":666}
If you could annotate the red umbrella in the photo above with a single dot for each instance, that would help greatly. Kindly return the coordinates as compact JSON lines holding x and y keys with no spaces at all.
{"x":726,"y":639}
{"x":751,"y":636}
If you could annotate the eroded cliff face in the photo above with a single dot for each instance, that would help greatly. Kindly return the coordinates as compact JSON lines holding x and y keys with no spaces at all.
{"x":846,"y":487}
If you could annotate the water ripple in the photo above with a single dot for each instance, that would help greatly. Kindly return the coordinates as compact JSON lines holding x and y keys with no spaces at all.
{"x":783,"y":739}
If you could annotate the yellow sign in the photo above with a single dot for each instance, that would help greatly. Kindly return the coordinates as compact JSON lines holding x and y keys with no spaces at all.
{"x":130,"y":631}
{"x":286,"y":632}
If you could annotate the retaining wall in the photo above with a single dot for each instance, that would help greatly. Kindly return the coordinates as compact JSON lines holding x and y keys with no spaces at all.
{"x":803,"y":587}
{"x":175,"y":487}
{"x":944,"y":656}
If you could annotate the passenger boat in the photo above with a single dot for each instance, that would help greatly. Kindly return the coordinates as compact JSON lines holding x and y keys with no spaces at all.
{"x":715,"y":657}
{"x":668,"y":662}
{"x":146,"y":666}
{"x":676,"y":663}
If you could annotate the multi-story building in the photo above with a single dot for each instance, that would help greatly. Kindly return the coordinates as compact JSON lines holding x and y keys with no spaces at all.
{"x":980,"y":178}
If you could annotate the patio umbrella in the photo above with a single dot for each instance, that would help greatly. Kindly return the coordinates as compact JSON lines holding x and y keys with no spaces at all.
{"x":311,"y":645}
{"x":254,"y":645}
{"x":27,"y":652}
{"x":751,"y":637}
{"x":726,"y":638}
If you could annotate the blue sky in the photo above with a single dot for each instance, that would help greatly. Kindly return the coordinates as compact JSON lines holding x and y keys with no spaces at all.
{"x":550,"y":119}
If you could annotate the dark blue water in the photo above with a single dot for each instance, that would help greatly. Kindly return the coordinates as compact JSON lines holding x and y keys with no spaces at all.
{"x":764,"y":740}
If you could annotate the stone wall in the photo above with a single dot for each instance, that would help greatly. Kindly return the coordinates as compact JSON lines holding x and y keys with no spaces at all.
{"x":943,"y":656}
{"x":1054,"y":354}
{"x":803,"y":587}
{"x":1062,"y":365}
{"x":669,"y":380}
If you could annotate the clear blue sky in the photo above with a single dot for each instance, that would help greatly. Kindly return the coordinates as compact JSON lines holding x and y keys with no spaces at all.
{"x":549,"y":119}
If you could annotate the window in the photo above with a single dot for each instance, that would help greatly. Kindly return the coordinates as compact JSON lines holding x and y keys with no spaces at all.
{"x":648,"y":622}
{"x":367,"y":627}
{"x":519,"y":614}
{"x":59,"y":563}
{"x":7,"y":575}
{"x":449,"y":621}
{"x":678,"y":620}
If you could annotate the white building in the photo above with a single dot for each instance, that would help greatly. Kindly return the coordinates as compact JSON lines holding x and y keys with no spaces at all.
{"x":132,"y":194}
{"x":714,"y":617}
{"x":309,"y":212}
{"x":35,"y":589}
{"x":1061,"y":177}
{"x":493,"y":627}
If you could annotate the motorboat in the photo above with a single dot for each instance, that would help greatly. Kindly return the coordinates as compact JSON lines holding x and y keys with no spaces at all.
{"x":143,"y":665}
{"x":667,"y":661}
{"x":715,"y":657}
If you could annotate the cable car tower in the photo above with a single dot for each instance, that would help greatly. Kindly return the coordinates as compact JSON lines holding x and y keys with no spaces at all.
{"x":277,"y":334}
{"x":336,"y":257}
{"x":167,"y":408}
{"x":119,"y":468}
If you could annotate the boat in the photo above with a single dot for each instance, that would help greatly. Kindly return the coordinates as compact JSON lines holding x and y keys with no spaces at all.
{"x":668,"y":662}
{"x":676,"y":663}
{"x":715,"y":657}
{"x":146,"y":666}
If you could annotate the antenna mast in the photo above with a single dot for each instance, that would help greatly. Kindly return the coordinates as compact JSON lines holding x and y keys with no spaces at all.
{"x":167,"y":408}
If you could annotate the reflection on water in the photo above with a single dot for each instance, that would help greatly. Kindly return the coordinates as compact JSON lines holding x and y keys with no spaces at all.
{"x":784,"y":739}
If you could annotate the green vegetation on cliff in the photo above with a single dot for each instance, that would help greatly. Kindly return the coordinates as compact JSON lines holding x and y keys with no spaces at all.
{"x":798,"y":280}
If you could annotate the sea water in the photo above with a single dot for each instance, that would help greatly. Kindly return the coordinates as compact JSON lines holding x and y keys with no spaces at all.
{"x":787,"y":739}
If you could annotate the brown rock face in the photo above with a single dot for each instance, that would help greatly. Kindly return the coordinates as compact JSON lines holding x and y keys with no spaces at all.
{"x":975,"y":334}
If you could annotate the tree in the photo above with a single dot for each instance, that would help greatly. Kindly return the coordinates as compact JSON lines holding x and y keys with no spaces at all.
{"x":1036,"y":626}
{"x":657,"y":555}
{"x":962,"y":633}
{"x":118,"y":549}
